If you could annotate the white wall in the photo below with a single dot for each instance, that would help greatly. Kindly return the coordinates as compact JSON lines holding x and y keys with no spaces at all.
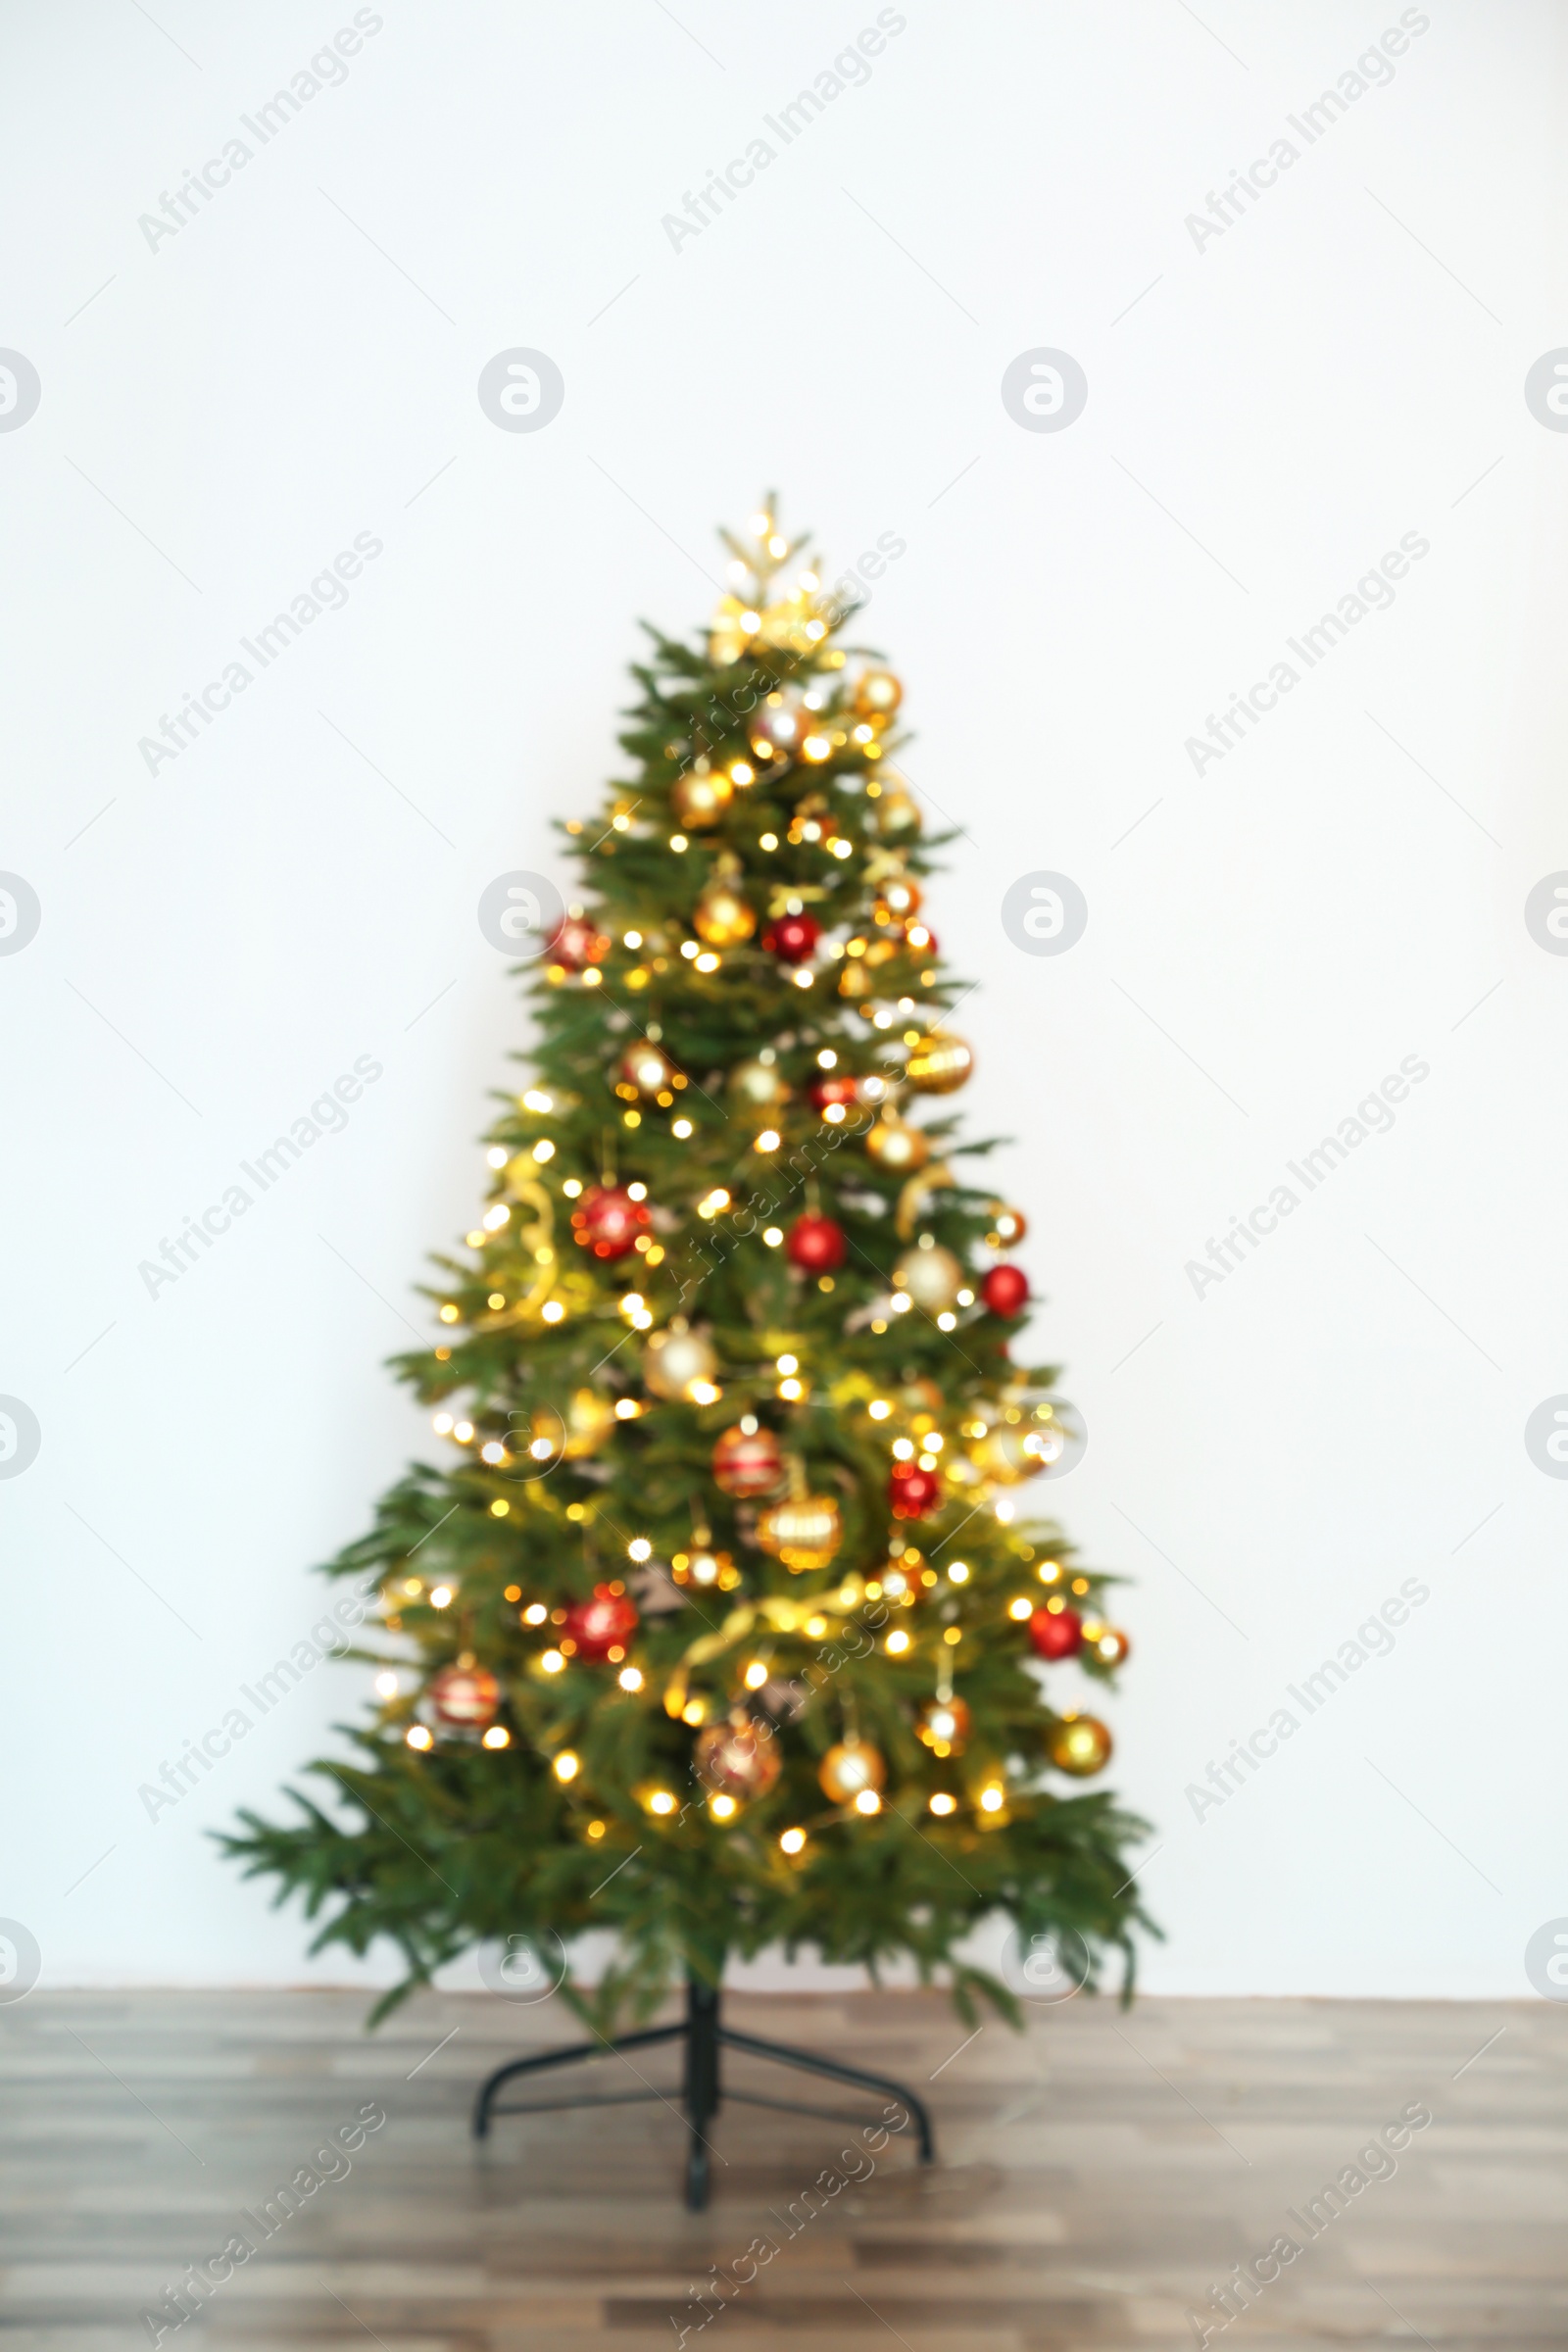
{"x":219,"y":940}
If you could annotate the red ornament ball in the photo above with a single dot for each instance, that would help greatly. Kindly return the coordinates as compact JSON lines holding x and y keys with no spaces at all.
{"x":793,"y":937}
{"x":1057,"y":1632}
{"x":747,"y":1462}
{"x":577,"y":943}
{"x":1006,"y":1290}
{"x":466,"y":1697}
{"x":601,"y":1625}
{"x":838,"y":1087}
{"x":608,"y":1221}
{"x":816,"y":1245}
{"x":913,"y":1493}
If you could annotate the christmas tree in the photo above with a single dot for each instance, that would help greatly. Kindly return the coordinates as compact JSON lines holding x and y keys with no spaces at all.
{"x":720,"y":1623}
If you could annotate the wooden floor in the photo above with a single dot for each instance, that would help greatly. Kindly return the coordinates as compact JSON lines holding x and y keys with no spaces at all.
{"x":1094,"y":2181}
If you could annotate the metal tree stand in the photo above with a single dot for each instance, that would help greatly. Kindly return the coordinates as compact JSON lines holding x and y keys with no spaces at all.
{"x":702,"y":2092}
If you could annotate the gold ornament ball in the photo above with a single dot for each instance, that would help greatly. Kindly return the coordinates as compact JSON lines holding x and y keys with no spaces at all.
{"x":590,"y":1418}
{"x":700,"y":800}
{"x":940,"y":1063}
{"x":1008,"y":1226}
{"x":737,"y":1759}
{"x":723,"y":917}
{"x":877,"y":694}
{"x":898,"y":901}
{"x":759,"y":1086}
{"x":804,"y":1533}
{"x":943,"y":1724}
{"x":649,"y":1070}
{"x":898,"y":1149}
{"x":676,"y":1361}
{"x":777,"y":728}
{"x":1111,"y":1644}
{"x":933,"y":1278}
{"x":848,"y":1768}
{"x":1080,"y":1744}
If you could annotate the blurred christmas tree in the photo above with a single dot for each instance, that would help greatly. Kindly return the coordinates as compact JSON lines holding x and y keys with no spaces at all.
{"x":718,"y":1626}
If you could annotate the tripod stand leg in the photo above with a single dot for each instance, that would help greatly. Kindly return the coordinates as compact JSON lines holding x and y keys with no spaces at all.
{"x":576,"y":2054}
{"x":783,"y":2054}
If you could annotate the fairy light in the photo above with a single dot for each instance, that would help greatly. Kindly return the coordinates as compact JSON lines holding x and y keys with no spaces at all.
{"x":768,"y":1140}
{"x":551,"y":1661}
{"x":462,"y":1431}
{"x":535,"y":1613}
{"x":828,"y":1059}
{"x":500,"y":1508}
{"x":492,"y":1452}
{"x":702,"y":1392}
{"x":496,"y":1156}
{"x":755,"y":1674}
{"x":868,"y":1801}
{"x":633,"y":939}
{"x":958,"y":1572}
{"x":772,"y":1235}
{"x":566,"y":1765}
{"x":815,"y":1628}
{"x":543,"y":1150}
{"x":681,"y":1127}
{"x":1021,"y":1609}
{"x":441,"y":1596}
{"x":767,"y":841}
{"x":627,"y":1408}
{"x":788,"y":1363}
{"x":722,"y":1807}
{"x":993,"y":1799}
{"x":572,"y":1186}
{"x":498,"y":1735}
{"x":902,"y":1449}
{"x":552,"y":1310}
{"x":943,"y":1802}
{"x":441,"y":1424}
{"x":639,"y":1548}
{"x":416,"y":1735}
{"x":708,"y":961}
{"x":898,"y":1643}
{"x":449,"y":1314}
{"x":792,"y":1391}
{"x":947,"y":1320}
{"x":636,"y":1191}
{"x":387,"y":1686}
{"x":801,"y":977}
{"x":630,"y":1678}
{"x":879,"y":1408}
{"x":902,"y":1303}
{"x":537,"y":1099}
{"x":497,"y":1299}
{"x":741,"y":772}
{"x":678,"y":841}
{"x":660,"y":1801}
{"x":690,"y":950}
{"x":792,"y":1841}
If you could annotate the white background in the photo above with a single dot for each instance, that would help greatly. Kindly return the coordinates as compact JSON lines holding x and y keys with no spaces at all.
{"x":1267,"y":416}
